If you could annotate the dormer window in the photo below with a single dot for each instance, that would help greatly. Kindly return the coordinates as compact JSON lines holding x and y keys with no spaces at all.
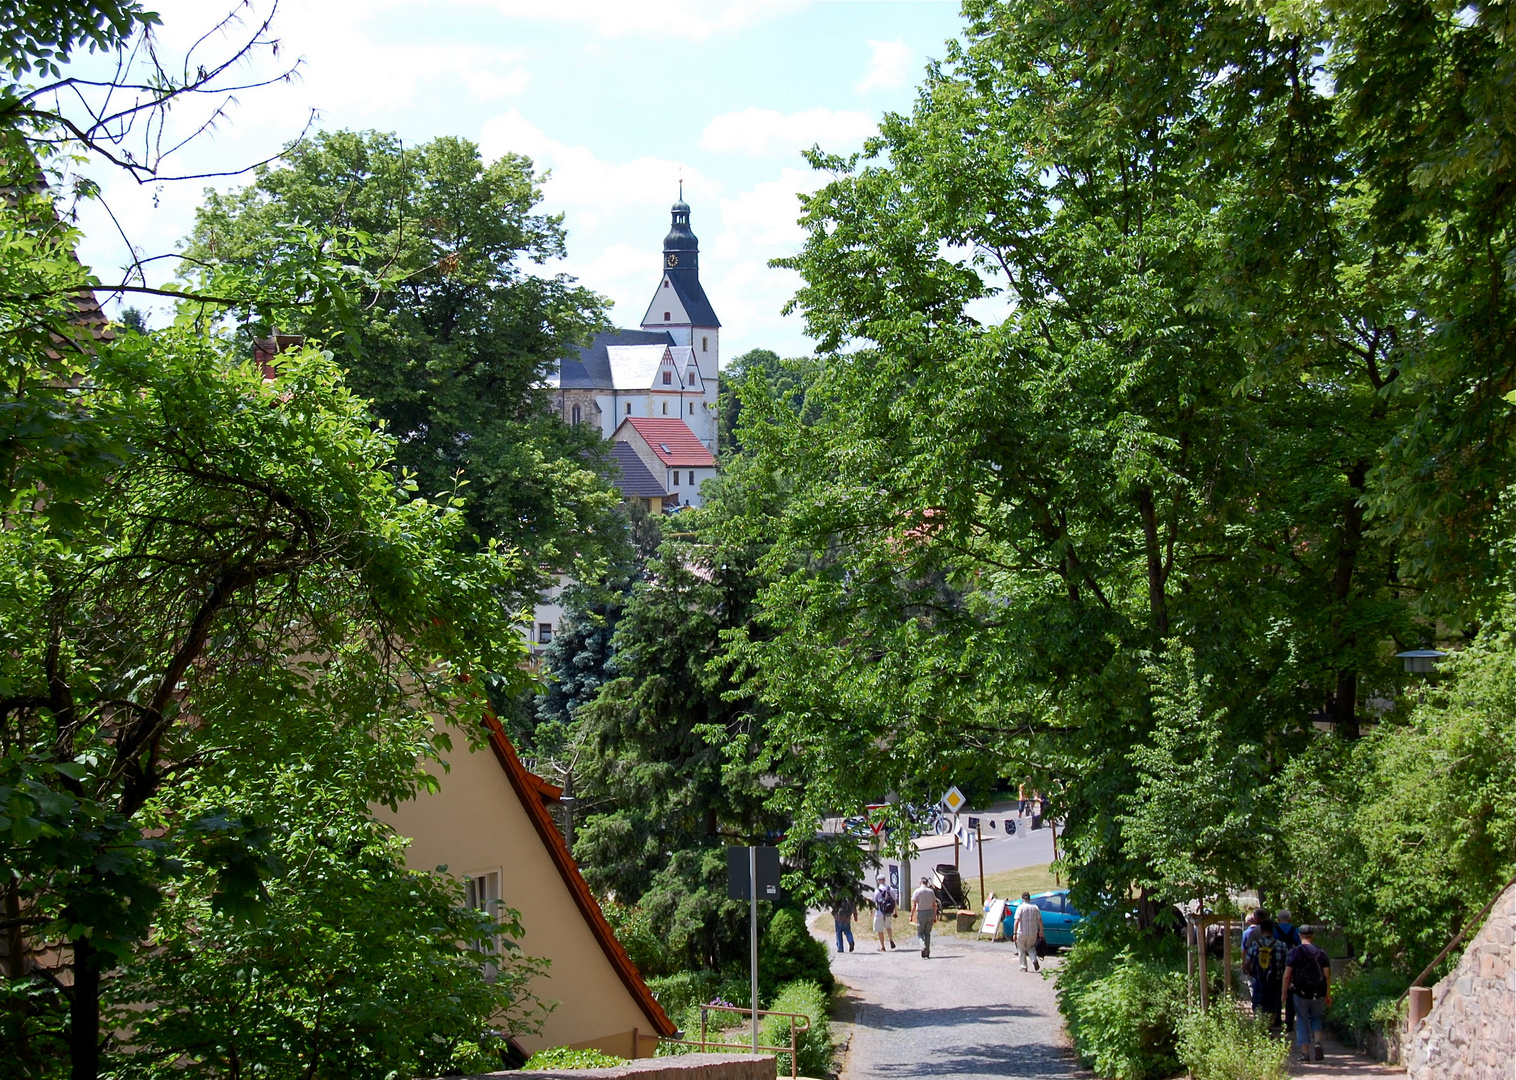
{"x":668,"y":378}
{"x":692,"y":378}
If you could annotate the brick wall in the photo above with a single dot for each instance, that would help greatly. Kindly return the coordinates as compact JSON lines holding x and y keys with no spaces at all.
{"x":1470,"y":1033}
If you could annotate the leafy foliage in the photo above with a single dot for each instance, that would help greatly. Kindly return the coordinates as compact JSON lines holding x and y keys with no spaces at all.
{"x":1377,"y":813}
{"x":351,"y":965}
{"x":452,"y":345}
{"x":813,"y":1046}
{"x":788,"y":953}
{"x":561,"y":1057}
{"x":1225,"y":1043}
{"x":1123,"y":1002}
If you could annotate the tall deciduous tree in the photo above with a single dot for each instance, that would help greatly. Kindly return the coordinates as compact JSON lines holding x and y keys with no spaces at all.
{"x":1114,"y":353}
{"x":453,"y":342}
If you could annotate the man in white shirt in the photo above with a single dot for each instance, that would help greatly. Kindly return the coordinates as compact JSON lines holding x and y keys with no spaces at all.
{"x":924,"y":914}
{"x":1027,"y":930}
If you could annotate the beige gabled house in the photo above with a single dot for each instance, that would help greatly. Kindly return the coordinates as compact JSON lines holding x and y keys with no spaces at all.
{"x":489,"y":823}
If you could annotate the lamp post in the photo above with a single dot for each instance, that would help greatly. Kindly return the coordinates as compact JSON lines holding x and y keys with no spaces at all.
{"x":1420,"y":662}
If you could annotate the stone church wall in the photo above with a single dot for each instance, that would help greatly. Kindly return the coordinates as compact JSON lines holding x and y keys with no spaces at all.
{"x":1470,"y":1033}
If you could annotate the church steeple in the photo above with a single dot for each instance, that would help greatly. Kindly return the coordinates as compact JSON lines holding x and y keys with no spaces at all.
{"x":681,"y":250}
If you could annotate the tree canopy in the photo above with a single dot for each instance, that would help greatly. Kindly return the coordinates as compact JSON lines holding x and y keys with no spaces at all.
{"x":452,"y":343}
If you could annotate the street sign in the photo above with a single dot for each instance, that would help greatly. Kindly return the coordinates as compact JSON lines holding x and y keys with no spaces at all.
{"x":737,"y":873}
{"x":875,"y":819}
{"x":954,"y":800}
{"x":895,"y":877}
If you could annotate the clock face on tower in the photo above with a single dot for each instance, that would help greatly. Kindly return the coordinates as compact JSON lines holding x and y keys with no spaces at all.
{"x":672,"y":260}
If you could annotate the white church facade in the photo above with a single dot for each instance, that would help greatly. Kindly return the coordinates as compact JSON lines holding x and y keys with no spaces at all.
{"x":667,"y":372}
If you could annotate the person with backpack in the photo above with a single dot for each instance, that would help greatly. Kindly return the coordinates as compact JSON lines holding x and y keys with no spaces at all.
{"x":1307,"y":980}
{"x":1263,"y":958}
{"x":1286,"y":931}
{"x":884,"y":912}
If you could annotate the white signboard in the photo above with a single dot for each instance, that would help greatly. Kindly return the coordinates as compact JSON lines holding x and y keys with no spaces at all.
{"x":993,"y":917}
{"x":954,"y":800}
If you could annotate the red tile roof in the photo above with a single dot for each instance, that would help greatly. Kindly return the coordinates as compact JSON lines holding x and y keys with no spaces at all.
{"x":673,"y":441}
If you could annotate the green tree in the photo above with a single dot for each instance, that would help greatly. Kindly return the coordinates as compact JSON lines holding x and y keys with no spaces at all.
{"x":1166,"y":435}
{"x":452,"y":344}
{"x":246,"y":575}
{"x":351,"y":967}
{"x":782,"y":381}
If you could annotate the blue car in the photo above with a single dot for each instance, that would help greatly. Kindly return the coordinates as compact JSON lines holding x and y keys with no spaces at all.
{"x":1059,"y":918}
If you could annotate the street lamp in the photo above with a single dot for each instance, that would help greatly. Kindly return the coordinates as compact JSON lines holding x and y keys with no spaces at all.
{"x":1420,"y":661}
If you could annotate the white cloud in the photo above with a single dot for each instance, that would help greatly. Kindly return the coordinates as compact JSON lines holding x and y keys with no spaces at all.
{"x":889,"y":66}
{"x":595,"y":189}
{"x":761,"y":132}
{"x":763,"y":218}
{"x":693,"y":20}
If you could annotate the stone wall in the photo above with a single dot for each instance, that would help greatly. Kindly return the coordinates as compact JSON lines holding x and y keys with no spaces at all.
{"x":683,"y":1067}
{"x":1470,"y":1033}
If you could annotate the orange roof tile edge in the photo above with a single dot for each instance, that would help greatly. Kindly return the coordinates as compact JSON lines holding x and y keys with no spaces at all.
{"x":529,"y":789}
{"x":683,"y":447}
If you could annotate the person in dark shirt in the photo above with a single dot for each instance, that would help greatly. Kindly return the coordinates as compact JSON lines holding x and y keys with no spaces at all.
{"x":844,"y":911}
{"x":1308,"y":978}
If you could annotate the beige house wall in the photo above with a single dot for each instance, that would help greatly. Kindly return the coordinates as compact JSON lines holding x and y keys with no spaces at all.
{"x":476,"y":824}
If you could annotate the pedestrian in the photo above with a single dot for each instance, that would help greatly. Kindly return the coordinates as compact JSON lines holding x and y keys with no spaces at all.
{"x":1286,"y":931}
{"x":844,"y":911}
{"x":884,"y":912}
{"x":1263,"y":958}
{"x":1027,"y":930}
{"x":1308,"y":980}
{"x":1021,"y":793}
{"x":924,"y":914}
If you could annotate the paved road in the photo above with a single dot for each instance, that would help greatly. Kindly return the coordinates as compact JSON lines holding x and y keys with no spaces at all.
{"x":968,"y":1012}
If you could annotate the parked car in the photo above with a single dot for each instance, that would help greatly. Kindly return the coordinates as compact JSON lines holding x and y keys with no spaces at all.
{"x":1059,"y":918}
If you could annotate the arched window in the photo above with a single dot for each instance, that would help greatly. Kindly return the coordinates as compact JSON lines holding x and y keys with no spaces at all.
{"x":578,"y":416}
{"x":666,"y":316}
{"x":629,"y":408}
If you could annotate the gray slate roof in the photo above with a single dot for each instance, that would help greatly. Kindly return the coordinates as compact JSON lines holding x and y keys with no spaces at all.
{"x":686,"y":284}
{"x":635,"y":481}
{"x":589,"y":368}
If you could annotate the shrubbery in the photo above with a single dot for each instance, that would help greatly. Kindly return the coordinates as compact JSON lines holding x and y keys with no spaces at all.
{"x":1123,"y":1002}
{"x":788,"y":953}
{"x":1368,"y":999}
{"x":814,"y":1047}
{"x":1225,"y":1043}
{"x":561,"y":1057}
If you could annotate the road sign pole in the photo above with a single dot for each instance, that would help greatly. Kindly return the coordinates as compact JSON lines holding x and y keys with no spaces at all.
{"x":956,"y":839}
{"x":752,"y":869}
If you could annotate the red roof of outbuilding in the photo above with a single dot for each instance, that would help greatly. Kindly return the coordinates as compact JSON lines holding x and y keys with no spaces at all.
{"x":673,"y":441}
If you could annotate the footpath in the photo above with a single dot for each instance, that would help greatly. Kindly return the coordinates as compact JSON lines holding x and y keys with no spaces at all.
{"x":968,"y":1012}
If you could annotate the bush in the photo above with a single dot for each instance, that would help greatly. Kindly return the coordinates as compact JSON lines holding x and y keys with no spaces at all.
{"x":1123,"y":1003}
{"x":788,"y":953}
{"x":1226,"y":1044}
{"x":1366,"y":1000}
{"x":814,"y":1047}
{"x":561,"y":1057}
{"x":634,"y":929}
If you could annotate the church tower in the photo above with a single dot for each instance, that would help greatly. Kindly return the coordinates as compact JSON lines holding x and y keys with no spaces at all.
{"x":680,"y":306}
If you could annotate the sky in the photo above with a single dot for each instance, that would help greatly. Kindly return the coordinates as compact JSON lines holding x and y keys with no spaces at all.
{"x":617,"y":99}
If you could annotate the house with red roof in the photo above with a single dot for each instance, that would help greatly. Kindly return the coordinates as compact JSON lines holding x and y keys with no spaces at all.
{"x":672,"y":453}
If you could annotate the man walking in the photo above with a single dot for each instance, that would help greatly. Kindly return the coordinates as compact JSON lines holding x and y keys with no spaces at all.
{"x":1027,"y":930}
{"x":884,"y":912}
{"x":924,"y":914}
{"x":1307,"y":978}
{"x":1263,"y":957}
{"x":844,"y":911}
